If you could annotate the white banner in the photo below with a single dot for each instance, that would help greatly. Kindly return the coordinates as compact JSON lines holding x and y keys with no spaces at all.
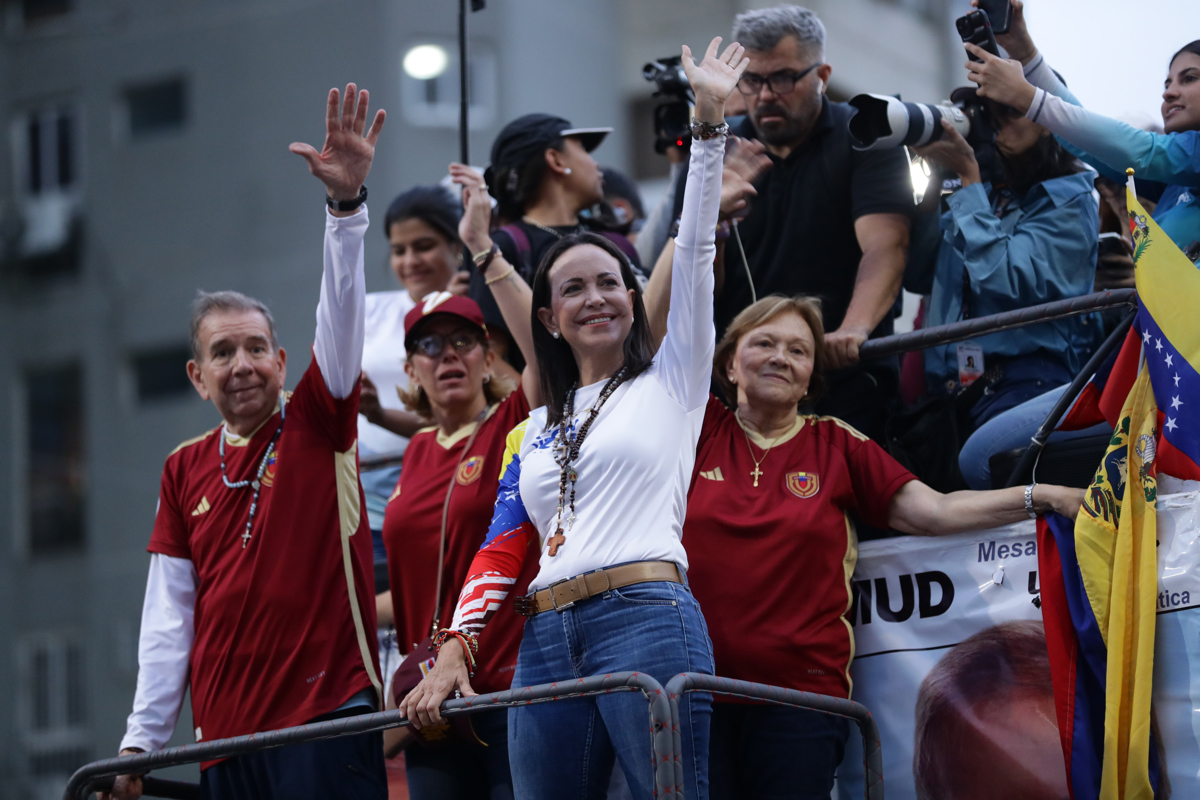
{"x":918,"y":598}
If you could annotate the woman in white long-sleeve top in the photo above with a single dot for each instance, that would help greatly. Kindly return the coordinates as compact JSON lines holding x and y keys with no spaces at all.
{"x":599,"y":475}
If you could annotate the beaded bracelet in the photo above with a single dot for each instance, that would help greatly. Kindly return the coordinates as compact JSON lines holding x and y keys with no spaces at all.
{"x":469,"y":641}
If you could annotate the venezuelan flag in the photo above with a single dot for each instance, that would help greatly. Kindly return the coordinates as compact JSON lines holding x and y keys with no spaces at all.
{"x":1099,"y":585}
{"x":1168,"y":287}
{"x":1099,"y":574}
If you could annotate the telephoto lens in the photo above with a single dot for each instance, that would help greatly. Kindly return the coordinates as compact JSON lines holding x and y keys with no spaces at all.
{"x":883,"y":121}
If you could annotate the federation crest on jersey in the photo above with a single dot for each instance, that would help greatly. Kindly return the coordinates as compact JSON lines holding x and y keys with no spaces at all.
{"x":268,"y":478}
{"x":803,"y":484}
{"x":470,"y":470}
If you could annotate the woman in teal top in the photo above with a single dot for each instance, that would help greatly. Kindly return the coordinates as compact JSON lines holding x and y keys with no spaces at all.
{"x":1109,"y":145}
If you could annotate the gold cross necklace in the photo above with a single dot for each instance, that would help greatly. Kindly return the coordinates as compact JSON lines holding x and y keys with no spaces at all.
{"x":757,"y":473}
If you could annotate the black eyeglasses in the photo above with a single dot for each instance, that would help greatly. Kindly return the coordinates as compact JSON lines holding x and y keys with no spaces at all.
{"x":433,"y":345}
{"x":782,"y":82}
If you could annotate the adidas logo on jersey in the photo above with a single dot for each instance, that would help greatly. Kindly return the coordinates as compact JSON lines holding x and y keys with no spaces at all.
{"x":713,"y":475}
{"x":201,"y":508}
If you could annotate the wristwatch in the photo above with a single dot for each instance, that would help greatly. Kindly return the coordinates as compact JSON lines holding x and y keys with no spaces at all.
{"x":347,"y":205}
{"x":708,"y":130}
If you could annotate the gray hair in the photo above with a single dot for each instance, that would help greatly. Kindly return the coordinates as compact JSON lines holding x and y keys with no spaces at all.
{"x":761,"y":29}
{"x":208,"y":302}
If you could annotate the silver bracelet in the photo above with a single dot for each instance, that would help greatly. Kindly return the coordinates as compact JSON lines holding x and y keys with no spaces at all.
{"x":1029,"y":501}
{"x":708,"y":130}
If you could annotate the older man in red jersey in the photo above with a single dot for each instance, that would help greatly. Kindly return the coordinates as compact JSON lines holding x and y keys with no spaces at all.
{"x":260,"y":596}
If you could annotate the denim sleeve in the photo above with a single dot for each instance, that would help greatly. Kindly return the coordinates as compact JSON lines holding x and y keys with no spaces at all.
{"x":1045,"y":257}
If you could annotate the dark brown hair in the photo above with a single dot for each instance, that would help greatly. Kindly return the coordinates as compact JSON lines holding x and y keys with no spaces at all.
{"x":1192,"y":47}
{"x":760,"y":313}
{"x":557,"y":370}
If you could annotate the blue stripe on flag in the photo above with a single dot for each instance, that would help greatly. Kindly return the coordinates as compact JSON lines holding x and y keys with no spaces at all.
{"x":1176,"y":387}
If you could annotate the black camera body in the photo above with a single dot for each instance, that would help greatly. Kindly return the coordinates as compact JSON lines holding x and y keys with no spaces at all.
{"x":673,"y":119}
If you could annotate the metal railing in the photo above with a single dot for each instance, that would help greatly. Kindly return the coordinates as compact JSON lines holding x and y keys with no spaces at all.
{"x":841,"y":707}
{"x":664,"y":732}
{"x":994,"y":323}
{"x":664,"y":729}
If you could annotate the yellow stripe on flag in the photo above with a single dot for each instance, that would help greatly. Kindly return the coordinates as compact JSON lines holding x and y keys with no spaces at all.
{"x":1166,"y":281}
{"x":1115,"y":539}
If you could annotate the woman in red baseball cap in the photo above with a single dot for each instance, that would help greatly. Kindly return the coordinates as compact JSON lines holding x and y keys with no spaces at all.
{"x":435,"y":522}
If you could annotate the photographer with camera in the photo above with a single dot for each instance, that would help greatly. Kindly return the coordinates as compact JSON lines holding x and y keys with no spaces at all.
{"x":828,"y":220}
{"x":1027,"y":238}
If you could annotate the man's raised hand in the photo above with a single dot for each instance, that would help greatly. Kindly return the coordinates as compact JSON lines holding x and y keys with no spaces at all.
{"x":344,"y":161}
{"x":714,"y":78}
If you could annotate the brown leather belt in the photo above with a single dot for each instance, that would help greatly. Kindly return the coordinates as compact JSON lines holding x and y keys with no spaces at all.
{"x":569,"y":591}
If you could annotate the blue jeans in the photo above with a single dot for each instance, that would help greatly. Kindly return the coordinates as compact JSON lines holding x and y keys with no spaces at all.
{"x":1009,"y":430}
{"x":775,"y":752}
{"x":463,"y":770}
{"x":566,"y":748}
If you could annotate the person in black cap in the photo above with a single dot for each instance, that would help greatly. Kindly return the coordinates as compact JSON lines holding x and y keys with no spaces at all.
{"x":542,"y":176}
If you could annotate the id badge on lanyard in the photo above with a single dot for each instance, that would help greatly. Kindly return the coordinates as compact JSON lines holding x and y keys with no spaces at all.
{"x":970,"y":363}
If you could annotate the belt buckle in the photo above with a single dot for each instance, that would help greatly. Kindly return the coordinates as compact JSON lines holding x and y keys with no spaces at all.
{"x":554,"y":600}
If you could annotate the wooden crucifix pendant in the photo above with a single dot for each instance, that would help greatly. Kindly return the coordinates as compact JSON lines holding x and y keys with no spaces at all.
{"x":556,"y":541}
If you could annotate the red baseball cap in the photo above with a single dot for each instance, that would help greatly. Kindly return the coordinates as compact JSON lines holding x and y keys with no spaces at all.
{"x":436,"y":303}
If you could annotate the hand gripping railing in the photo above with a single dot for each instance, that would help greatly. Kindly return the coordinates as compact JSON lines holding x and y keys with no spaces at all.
{"x":667,"y":767}
{"x":872,"y":751}
{"x":979,"y":326}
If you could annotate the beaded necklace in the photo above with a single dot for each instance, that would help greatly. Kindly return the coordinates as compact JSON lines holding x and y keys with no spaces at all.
{"x":566,"y":451}
{"x":256,"y":482}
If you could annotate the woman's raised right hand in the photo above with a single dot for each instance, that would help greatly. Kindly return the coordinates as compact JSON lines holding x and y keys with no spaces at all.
{"x":714,"y":78}
{"x":423,"y":704}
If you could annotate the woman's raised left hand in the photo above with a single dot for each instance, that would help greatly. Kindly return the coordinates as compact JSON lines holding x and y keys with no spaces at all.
{"x":714,"y":78}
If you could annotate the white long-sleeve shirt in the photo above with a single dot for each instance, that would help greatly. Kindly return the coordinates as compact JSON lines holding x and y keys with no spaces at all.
{"x":167,"y":632}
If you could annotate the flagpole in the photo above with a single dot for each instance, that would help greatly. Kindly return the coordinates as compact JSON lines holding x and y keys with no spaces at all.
{"x":464,"y":101}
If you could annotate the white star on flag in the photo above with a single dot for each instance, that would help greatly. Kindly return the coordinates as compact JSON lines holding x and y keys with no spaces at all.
{"x":1176,"y":403}
{"x":1146,"y":337}
{"x":1171,"y":424}
{"x":1158,"y":344}
{"x":1170,"y":358}
{"x":1176,"y":378}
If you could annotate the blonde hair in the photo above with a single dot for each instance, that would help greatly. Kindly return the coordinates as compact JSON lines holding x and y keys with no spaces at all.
{"x":760,"y":313}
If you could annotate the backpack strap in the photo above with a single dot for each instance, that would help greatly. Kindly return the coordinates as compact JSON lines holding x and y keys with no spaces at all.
{"x":520,"y":240}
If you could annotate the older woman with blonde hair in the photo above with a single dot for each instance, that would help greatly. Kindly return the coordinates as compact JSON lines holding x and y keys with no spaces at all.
{"x":773,"y":503}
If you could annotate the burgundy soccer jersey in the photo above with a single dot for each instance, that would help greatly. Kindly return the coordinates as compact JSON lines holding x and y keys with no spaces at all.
{"x":771,"y":565}
{"x":412,"y":530}
{"x":285,"y":627}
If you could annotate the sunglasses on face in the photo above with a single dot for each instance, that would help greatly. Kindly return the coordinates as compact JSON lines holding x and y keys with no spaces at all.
{"x":781,"y":82}
{"x":432,"y":345}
